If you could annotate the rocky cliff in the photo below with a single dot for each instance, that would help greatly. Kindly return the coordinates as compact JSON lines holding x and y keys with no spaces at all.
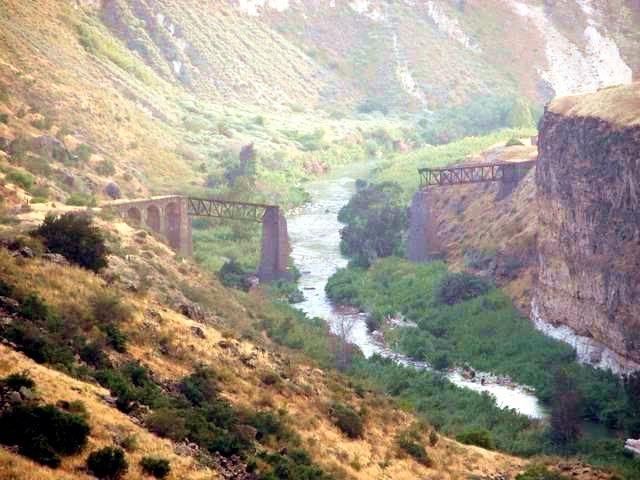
{"x":588,"y":195}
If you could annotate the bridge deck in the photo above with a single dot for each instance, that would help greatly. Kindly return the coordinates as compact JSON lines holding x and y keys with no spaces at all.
{"x":220,"y":208}
{"x":474,"y":173}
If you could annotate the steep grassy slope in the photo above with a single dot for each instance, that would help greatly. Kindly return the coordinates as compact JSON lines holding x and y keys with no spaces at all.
{"x":225,"y":333}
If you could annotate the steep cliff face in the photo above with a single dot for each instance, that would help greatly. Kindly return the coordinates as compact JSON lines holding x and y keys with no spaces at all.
{"x":588,"y":195}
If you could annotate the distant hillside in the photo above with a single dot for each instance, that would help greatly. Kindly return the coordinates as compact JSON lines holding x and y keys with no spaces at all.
{"x":160,"y":96}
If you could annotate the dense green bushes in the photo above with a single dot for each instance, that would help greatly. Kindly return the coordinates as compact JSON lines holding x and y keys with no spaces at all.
{"x":42,"y":433}
{"x":73,"y":236}
{"x":347,"y":420}
{"x":375,"y":221}
{"x":108,"y":463}
{"x":481,"y":438}
{"x":158,"y":467}
{"x":460,"y":286}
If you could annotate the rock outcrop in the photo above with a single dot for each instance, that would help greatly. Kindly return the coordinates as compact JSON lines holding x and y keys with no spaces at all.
{"x":588,"y":195}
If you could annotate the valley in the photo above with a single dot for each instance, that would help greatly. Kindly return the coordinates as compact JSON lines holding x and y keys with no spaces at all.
{"x":364,"y":323}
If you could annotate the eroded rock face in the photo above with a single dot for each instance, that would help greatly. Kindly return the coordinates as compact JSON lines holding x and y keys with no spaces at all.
{"x":588,"y":194}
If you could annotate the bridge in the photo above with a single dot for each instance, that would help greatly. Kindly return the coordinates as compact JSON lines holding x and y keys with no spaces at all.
{"x":422,"y":237}
{"x":473,"y":173}
{"x":170,"y":217}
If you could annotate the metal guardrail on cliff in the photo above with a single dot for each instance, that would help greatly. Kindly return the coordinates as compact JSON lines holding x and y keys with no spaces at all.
{"x":481,"y":172}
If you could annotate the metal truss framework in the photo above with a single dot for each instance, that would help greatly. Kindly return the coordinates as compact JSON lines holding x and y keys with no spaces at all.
{"x":484,"y":172}
{"x":219,"y":208}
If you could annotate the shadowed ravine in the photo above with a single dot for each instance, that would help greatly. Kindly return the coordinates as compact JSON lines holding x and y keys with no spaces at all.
{"x":315,"y":241}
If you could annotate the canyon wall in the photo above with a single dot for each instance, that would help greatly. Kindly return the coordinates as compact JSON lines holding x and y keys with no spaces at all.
{"x":588,"y":199}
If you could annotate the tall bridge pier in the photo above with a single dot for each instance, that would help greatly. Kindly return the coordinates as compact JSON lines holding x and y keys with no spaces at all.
{"x":169,"y":217}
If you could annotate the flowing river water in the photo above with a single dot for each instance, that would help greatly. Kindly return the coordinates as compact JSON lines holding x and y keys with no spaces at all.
{"x":315,"y":241}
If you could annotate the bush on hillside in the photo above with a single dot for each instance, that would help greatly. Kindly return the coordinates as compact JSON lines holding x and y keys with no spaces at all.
{"x":108,"y":463}
{"x":408,"y":443}
{"x":539,"y":472}
{"x":460,"y":286}
{"x":16,"y":381}
{"x":43,"y":433}
{"x":481,"y":438}
{"x":74,"y":236}
{"x":347,"y":420}
{"x":233,"y":275}
{"x":158,"y":467}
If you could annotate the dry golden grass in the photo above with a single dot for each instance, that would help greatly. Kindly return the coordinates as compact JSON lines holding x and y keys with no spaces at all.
{"x":618,"y":105}
{"x":303,"y":391}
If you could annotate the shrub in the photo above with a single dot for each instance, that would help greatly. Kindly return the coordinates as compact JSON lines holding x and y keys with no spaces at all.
{"x":81,"y":200}
{"x":539,"y":472}
{"x":513,"y":142}
{"x":15,"y":381}
{"x":116,"y":338}
{"x":413,"y":448}
{"x":21,"y":179}
{"x":107,"y":308}
{"x":158,"y":467}
{"x":233,"y":275}
{"x":73,"y":236}
{"x":4,"y":118}
{"x":83,"y":152}
{"x":108,"y":463}
{"x":42,"y":433}
{"x":105,"y":168}
{"x":460,"y":286}
{"x":347,"y":420}
{"x":481,"y":438}
{"x":433,"y":438}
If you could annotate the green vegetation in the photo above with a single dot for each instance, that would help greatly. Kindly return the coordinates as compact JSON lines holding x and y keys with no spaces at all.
{"x":540,"y":472}
{"x":402,"y":168}
{"x":481,"y":438}
{"x":193,"y":408}
{"x":74,"y":236}
{"x":347,"y":420}
{"x":410,"y":442}
{"x":158,"y":467}
{"x":467,"y":321}
{"x":375,"y":223}
{"x":108,"y":463}
{"x":23,"y":180}
{"x":42,"y":433}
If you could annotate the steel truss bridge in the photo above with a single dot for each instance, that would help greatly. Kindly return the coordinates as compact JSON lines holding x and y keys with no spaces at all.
{"x":474,"y":173}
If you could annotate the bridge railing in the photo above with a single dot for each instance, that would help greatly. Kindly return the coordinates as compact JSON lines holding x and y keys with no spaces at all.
{"x":219,"y":208}
{"x":463,"y":174}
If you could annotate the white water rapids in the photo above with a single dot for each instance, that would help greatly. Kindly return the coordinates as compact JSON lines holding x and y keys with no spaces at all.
{"x":315,"y":240}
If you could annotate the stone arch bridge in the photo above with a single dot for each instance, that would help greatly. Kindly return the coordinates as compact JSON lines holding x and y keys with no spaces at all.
{"x":170,"y":217}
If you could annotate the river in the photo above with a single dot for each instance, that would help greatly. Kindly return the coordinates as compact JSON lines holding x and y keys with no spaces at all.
{"x":315,"y":241}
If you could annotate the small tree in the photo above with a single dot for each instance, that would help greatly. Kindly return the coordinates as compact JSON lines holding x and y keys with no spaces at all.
{"x":74,"y":236}
{"x":566,"y":409}
{"x":344,"y":349}
{"x":108,"y":463}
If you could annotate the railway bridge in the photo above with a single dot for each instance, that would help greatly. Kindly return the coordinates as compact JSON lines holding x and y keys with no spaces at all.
{"x":422,"y":236}
{"x":170,"y":217}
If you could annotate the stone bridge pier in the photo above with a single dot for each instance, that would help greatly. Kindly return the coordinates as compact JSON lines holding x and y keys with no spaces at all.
{"x":275,"y":246}
{"x":421,"y":242}
{"x":166,"y":216}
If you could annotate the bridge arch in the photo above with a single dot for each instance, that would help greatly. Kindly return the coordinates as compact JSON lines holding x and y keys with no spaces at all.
{"x":154,"y":218}
{"x":134,"y":216}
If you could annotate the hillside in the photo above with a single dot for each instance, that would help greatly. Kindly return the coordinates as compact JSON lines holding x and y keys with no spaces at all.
{"x":224,"y":331}
{"x":159,"y":97}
